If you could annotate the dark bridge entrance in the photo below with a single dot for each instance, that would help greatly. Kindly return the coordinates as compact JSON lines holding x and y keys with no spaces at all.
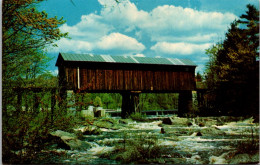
{"x":127,"y":75}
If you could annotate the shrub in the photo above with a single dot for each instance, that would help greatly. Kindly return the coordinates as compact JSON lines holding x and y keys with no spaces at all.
{"x":25,"y":134}
{"x":137,"y":116}
{"x":138,"y":149}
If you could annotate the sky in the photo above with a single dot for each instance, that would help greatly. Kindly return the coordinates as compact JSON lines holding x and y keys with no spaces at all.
{"x":146,"y":28}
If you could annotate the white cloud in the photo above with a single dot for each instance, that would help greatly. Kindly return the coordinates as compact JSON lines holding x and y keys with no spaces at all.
{"x":185,"y":19}
{"x":166,"y":22}
{"x":120,"y":42}
{"x":139,"y":55}
{"x":113,"y":41}
{"x":123,"y":15}
{"x":179,"y":48}
{"x":126,"y":30}
{"x":188,"y":38}
{"x":77,"y":46}
{"x":90,"y":28}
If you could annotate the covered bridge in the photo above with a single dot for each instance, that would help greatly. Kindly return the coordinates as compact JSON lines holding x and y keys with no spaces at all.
{"x":127,"y":75}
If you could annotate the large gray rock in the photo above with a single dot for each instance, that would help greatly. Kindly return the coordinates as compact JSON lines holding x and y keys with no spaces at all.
{"x":91,"y":130}
{"x":69,"y":141}
{"x":211,"y":131}
{"x":176,"y":121}
{"x":202,"y":121}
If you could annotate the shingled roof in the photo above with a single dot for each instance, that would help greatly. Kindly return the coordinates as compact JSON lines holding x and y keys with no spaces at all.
{"x":123,"y":59}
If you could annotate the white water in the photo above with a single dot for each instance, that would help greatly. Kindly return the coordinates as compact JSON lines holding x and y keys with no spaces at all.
{"x":198,"y":149}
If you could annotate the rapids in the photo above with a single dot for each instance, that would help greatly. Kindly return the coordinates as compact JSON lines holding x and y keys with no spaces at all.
{"x":184,"y":144}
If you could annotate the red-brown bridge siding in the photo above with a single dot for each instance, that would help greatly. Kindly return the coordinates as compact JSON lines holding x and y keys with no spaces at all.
{"x":129,"y":80}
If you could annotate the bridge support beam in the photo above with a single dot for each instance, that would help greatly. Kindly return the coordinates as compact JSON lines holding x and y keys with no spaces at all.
{"x":185,"y":103}
{"x":130,"y":103}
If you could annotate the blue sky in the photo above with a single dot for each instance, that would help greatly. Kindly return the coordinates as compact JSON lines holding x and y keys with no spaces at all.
{"x":150,"y":28}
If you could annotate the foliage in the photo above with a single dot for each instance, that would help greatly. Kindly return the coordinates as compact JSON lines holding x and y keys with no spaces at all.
{"x":139,"y":149}
{"x":106,"y":100}
{"x":151,"y":101}
{"x":232,"y":72}
{"x":97,"y":102}
{"x":26,"y":32}
{"x":114,"y":100}
{"x":26,"y":134}
{"x":137,"y":116}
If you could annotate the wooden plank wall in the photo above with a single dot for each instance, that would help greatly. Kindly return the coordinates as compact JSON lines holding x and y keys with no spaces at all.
{"x":125,"y":80}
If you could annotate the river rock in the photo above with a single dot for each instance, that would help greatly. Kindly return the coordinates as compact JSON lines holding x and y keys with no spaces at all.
{"x":162,"y":131}
{"x":202,"y":121}
{"x":217,"y":160}
{"x":69,"y":141}
{"x":91,"y":130}
{"x":167,"y":120}
{"x":198,"y":134}
{"x":175,"y":121}
{"x":211,"y":131}
{"x":106,"y":123}
{"x":196,"y":159}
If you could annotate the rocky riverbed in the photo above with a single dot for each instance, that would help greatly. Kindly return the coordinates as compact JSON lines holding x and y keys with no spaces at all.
{"x":168,"y":140}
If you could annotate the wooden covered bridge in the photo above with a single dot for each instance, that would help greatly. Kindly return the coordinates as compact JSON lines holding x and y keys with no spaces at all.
{"x":127,"y":75}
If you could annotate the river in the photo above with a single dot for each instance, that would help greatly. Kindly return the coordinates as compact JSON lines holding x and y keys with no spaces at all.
{"x":194,"y":143}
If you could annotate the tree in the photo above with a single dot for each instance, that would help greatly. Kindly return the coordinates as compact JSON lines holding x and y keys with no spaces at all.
{"x":211,"y":66}
{"x":107,"y":99}
{"x":97,"y":102}
{"x":198,"y":77}
{"x":232,"y":69}
{"x":26,"y":33}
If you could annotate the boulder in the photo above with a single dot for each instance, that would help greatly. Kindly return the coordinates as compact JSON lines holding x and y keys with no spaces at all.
{"x":180,"y":121}
{"x":196,"y":159}
{"x":124,"y":121}
{"x":101,"y":150}
{"x":189,"y":124}
{"x":91,"y":130}
{"x":217,"y":160}
{"x":205,"y":121}
{"x":106,"y":123}
{"x":162,"y":131}
{"x":60,"y":133}
{"x":212,"y":131}
{"x":176,"y":121}
{"x":167,"y":120}
{"x":69,"y":141}
{"x":201,"y":124}
{"x":198,"y":134}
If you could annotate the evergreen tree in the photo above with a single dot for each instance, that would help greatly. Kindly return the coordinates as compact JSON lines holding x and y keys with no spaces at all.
{"x":232,"y":70}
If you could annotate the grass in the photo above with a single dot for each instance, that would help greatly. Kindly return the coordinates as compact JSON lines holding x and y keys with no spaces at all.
{"x":140,"y":149}
{"x":137,"y":116}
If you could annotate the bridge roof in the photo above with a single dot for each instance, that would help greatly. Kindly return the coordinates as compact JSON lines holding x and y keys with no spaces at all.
{"x":123,"y":59}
